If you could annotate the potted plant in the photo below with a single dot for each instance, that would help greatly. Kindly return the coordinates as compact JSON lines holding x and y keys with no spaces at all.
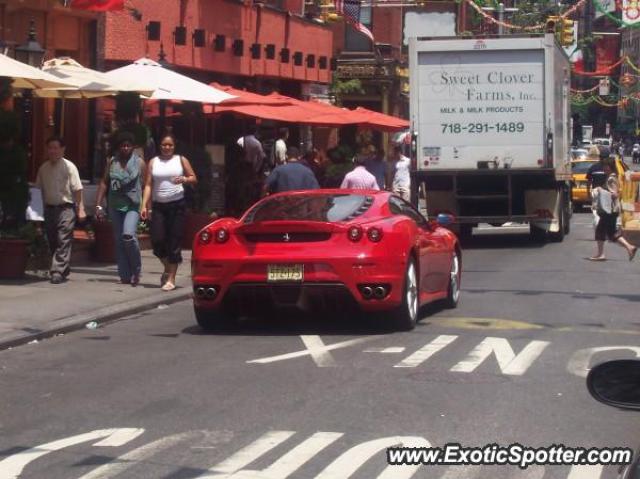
{"x":14,"y":192}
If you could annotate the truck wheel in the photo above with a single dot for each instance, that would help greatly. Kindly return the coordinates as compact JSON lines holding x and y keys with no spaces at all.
{"x":406,"y":316}
{"x":567,"y":219}
{"x":537,"y":235}
{"x":212,"y":320}
{"x":558,"y":237}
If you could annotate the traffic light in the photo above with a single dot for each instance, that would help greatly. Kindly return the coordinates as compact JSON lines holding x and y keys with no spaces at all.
{"x":551,"y":24}
{"x":566,"y":33}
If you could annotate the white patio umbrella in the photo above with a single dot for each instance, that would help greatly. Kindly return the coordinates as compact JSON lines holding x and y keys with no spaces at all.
{"x":168,"y":84}
{"x":87,"y":83}
{"x":26,"y":76}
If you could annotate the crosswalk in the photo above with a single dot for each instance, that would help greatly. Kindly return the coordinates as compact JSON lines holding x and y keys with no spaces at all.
{"x":274,"y":454}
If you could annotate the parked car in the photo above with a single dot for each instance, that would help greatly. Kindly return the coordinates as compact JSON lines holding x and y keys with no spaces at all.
{"x":602,"y":141}
{"x":325,"y":250}
{"x":580,"y":189}
{"x":617,"y":383}
{"x":579,"y":154}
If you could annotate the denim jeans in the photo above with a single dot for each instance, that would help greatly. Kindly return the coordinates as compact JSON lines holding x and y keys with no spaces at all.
{"x":125,"y":225}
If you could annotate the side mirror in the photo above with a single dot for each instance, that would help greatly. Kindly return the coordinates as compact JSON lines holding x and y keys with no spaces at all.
{"x":616,"y":383}
{"x":444,"y":219}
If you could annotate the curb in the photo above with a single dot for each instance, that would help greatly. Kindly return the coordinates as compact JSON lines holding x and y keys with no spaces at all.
{"x":101,"y":316}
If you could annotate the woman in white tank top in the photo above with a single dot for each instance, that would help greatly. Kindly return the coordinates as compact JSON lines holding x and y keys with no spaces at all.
{"x":166,"y":175}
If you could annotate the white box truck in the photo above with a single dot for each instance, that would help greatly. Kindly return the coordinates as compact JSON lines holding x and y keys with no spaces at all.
{"x":491,"y":121}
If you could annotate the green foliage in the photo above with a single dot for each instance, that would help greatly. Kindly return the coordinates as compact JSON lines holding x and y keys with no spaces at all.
{"x":534,"y":13}
{"x":340,"y":87}
{"x":198,"y":195}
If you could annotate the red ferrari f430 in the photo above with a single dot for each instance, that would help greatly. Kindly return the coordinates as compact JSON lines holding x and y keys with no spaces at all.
{"x":325,"y":250}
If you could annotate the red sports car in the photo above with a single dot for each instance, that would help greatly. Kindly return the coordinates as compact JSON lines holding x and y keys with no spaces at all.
{"x":321,"y":250}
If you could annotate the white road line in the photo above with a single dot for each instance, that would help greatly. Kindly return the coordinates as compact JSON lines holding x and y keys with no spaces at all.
{"x":120,"y":437}
{"x":507,"y":360}
{"x":350,"y":461}
{"x":390,"y":350}
{"x":425,"y":352}
{"x":461,"y":472}
{"x":132,"y":458}
{"x":247,"y":455}
{"x":13,"y":466}
{"x":585,"y":472}
{"x":318,"y":351}
{"x":307,"y":352}
{"x":531,"y":472}
{"x":580,"y":361}
{"x":294,"y":459}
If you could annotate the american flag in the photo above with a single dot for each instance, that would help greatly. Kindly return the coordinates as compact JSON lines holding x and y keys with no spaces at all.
{"x":350,"y":10}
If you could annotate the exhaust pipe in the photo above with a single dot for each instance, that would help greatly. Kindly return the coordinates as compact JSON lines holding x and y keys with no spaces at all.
{"x":211,"y":293}
{"x":200,"y":292}
{"x":380,"y":292}
{"x":367,"y":292}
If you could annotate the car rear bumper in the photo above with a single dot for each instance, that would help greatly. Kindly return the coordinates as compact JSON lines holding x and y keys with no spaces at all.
{"x":242,"y":287}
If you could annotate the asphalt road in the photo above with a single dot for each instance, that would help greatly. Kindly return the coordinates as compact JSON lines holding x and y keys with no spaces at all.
{"x":153,"y":397}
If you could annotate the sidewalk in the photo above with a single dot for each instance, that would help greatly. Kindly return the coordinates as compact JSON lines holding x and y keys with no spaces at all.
{"x":33,"y":308}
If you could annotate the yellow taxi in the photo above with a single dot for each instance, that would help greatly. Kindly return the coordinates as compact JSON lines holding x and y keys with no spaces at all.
{"x":580,"y":191}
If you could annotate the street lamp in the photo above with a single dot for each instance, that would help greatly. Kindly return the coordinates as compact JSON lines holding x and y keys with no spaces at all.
{"x":30,"y":52}
{"x":162,"y":60}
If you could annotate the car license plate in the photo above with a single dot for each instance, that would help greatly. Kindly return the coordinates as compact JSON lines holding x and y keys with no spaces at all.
{"x":285,"y":272}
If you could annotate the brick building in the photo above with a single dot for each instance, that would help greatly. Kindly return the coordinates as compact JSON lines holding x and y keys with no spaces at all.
{"x":382,"y":67}
{"x":62,"y":32}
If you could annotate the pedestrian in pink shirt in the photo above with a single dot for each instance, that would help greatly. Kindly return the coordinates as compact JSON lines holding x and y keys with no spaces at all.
{"x":359,"y":178}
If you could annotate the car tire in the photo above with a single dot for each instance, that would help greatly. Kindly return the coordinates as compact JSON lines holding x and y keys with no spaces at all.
{"x":212,"y":321}
{"x":453,"y":289}
{"x":406,"y":315}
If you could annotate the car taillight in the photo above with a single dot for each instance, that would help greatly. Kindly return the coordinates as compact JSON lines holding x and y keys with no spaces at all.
{"x":205,"y":237}
{"x":222,"y":235}
{"x":355,"y":233}
{"x":374,"y":234}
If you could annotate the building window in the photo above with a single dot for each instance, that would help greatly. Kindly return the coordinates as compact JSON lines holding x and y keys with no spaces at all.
{"x":354,"y":41}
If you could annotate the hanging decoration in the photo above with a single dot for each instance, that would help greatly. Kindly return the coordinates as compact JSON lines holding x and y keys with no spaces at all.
{"x":530,"y":28}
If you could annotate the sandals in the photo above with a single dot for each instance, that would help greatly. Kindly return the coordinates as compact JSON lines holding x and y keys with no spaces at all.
{"x":163,"y":278}
{"x":597,"y":258}
{"x":633,"y":253}
{"x":168,"y":286}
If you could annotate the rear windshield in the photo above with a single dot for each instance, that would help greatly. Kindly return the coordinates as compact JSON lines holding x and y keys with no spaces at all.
{"x":581,"y":166}
{"x":330,"y":207}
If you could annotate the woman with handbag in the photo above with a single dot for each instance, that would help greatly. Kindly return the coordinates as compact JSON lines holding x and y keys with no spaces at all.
{"x":166,"y":176}
{"x":122,"y":182}
{"x":607,"y":200}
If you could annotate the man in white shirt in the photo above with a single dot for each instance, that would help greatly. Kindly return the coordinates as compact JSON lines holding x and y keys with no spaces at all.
{"x":400,"y":174}
{"x":59,"y":181}
{"x":359,"y":178}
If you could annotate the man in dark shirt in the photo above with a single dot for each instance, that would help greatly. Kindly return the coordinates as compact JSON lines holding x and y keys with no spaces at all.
{"x":291,"y":176}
